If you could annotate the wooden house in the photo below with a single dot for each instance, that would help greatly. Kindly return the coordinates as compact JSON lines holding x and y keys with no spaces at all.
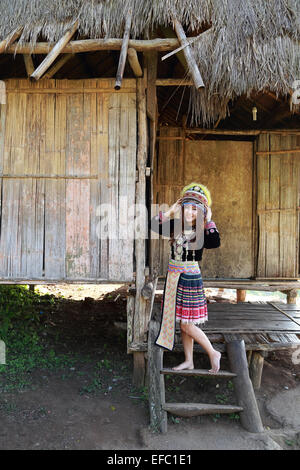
{"x":94,"y":116}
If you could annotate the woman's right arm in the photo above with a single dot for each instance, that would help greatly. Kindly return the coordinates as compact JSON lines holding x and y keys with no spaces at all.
{"x":163,"y":223}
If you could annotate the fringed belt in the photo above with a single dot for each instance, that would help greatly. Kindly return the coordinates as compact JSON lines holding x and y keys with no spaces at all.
{"x":166,"y":334}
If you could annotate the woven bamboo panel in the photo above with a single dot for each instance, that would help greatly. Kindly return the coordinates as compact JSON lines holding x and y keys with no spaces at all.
{"x":65,"y":148}
{"x":278,"y":177}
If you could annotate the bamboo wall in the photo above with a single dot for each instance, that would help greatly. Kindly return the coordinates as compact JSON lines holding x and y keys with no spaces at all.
{"x":254,"y":201}
{"x":278,"y":201}
{"x":65,"y":148}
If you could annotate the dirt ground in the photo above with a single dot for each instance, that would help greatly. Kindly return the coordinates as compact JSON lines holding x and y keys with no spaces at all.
{"x":93,"y":405}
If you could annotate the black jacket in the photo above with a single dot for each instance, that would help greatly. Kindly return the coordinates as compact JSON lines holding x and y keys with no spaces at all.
{"x":168,"y":227}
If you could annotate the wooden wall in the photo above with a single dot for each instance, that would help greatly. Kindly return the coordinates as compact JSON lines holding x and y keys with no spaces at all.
{"x":65,"y":148}
{"x":256,"y":199}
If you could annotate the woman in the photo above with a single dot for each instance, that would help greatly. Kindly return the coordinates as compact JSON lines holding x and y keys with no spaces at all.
{"x":184,"y":298}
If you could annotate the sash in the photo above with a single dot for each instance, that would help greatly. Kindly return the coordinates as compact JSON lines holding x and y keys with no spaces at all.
{"x":166,"y":334}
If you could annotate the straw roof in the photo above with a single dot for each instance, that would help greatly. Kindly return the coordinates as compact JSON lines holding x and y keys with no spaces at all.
{"x":251,"y":44}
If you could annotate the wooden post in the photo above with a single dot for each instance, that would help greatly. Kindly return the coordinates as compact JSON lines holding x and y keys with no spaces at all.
{"x":140,"y":310}
{"x":255,"y":369}
{"x":192,"y":65}
{"x":158,"y":417}
{"x":54,"y":53}
{"x":240,"y":295}
{"x":28,"y":64}
{"x":291,"y":296}
{"x":58,"y":65}
{"x":250,"y":417}
{"x":134,"y":62}
{"x":123,"y":53}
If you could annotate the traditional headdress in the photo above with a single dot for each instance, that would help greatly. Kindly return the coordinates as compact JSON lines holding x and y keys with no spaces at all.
{"x":197,"y":193}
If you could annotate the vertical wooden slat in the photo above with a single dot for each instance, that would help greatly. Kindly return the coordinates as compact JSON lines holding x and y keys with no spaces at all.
{"x":77,"y":191}
{"x":55,"y":189}
{"x":103,"y":152}
{"x":262,"y":198}
{"x":273,"y":202}
{"x":288,"y":219}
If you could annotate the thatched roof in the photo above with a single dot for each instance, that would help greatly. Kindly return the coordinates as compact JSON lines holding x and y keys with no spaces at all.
{"x":251,"y":44}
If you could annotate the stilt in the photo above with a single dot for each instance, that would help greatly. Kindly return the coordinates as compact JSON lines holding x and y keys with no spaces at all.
{"x":250,"y":417}
{"x":240,"y":295}
{"x":158,"y":416}
{"x":138,"y":379}
{"x":291,"y":296}
{"x":256,"y":368}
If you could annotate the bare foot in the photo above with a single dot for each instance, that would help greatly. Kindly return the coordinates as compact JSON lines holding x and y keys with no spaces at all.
{"x":185,"y":365}
{"x":215,"y":362}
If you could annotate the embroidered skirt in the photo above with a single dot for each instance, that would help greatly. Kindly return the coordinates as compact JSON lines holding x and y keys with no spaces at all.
{"x":183,"y":299}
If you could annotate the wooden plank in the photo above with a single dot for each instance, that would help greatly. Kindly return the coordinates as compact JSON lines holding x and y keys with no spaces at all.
{"x":187,"y":410}
{"x":198,"y":373}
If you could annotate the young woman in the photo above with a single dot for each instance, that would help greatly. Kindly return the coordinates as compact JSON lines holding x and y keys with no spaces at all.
{"x":184,"y":298}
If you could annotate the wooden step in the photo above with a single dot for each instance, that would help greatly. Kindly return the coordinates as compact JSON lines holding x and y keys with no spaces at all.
{"x":187,"y":410}
{"x":222,"y":374}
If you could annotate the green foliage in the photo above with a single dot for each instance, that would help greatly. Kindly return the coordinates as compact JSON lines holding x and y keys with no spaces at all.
{"x":17,"y":302}
{"x":20,"y":329}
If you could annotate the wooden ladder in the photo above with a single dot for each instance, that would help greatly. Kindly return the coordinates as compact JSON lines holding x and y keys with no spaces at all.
{"x":247,"y":405}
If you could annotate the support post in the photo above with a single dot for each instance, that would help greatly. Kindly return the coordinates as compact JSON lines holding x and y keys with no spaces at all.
{"x":28,"y":64}
{"x":255,"y":369}
{"x":134,"y":62}
{"x":291,"y":296}
{"x":188,"y":54}
{"x":158,"y":417}
{"x":250,"y":417}
{"x":240,"y":295}
{"x":140,"y":309}
{"x":123,"y":53}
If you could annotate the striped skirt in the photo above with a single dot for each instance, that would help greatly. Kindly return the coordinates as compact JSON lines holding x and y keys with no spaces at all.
{"x":191,"y":306}
{"x":183,"y":300}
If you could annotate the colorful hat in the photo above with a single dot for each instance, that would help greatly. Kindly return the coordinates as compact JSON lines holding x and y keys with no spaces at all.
{"x":197,"y":193}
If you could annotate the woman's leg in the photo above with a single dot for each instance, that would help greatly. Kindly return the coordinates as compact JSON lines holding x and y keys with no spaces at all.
{"x":190,"y":329}
{"x":188,"y":344}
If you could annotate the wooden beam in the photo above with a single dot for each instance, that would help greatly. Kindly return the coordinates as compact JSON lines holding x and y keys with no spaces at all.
{"x":29,"y":65}
{"x":192,"y":65}
{"x":241,"y":132}
{"x":123,"y":53}
{"x":134,"y":62}
{"x":10,"y":39}
{"x":174,"y":82}
{"x":277,"y":152}
{"x":58,"y":65}
{"x":54,"y":53}
{"x":91,"y":45}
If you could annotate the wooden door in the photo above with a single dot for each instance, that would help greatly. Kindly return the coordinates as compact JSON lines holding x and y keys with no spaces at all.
{"x":226,"y":168}
{"x":278,"y":187}
{"x":66,"y":148}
